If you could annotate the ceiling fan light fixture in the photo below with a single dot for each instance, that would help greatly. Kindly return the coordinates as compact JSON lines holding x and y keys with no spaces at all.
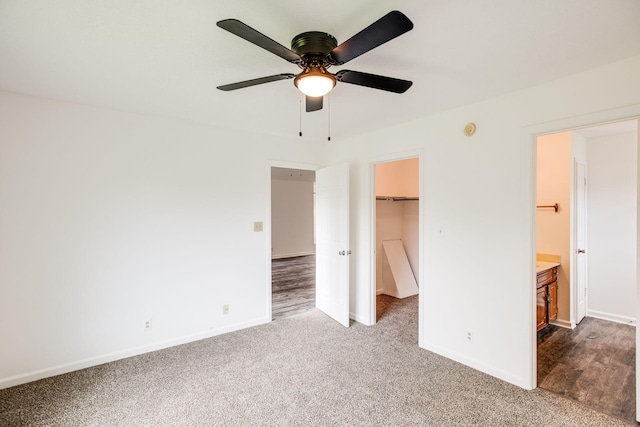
{"x":315,"y":81}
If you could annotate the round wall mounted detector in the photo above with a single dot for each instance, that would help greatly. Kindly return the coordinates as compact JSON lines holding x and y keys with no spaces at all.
{"x":470,"y":129}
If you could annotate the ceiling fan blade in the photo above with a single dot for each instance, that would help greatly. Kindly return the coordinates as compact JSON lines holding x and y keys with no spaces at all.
{"x":253,"y":82}
{"x":244,"y":31}
{"x":374,"y":81}
{"x":314,"y":103}
{"x":388,"y":27}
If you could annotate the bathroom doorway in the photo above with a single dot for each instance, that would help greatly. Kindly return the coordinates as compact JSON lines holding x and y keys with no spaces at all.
{"x":587,"y":184}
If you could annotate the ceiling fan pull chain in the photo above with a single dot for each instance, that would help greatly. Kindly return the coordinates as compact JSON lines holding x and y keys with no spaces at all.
{"x":300,"y":113}
{"x":329,"y":118}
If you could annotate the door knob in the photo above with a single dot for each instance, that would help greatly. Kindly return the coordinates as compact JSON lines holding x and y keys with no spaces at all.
{"x":341,"y":253}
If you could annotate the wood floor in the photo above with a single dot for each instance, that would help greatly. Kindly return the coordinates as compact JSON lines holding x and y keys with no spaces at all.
{"x":593,"y":364}
{"x":293,"y":285}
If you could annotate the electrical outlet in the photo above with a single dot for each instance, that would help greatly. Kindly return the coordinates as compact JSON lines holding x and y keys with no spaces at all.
{"x":470,"y":336}
{"x":147,"y":324}
{"x":225,"y":309}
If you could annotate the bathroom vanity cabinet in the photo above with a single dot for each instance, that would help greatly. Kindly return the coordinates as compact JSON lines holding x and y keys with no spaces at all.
{"x":546,"y":295}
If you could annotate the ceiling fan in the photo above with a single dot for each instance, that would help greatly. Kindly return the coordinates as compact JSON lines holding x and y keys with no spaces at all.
{"x":314,"y":52}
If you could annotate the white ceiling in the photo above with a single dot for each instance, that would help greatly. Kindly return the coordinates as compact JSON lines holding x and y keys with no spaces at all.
{"x":166,"y":57}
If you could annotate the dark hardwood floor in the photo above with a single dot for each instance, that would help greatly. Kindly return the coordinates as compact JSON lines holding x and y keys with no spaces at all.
{"x":293,"y":285}
{"x":593,"y":364}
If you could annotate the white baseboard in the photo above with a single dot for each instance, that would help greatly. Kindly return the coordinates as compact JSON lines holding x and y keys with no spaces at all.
{"x":395,"y":295}
{"x":482,"y":367}
{"x":612,"y":317}
{"x":111,"y":357}
{"x":563,"y":323}
{"x":293,"y":255}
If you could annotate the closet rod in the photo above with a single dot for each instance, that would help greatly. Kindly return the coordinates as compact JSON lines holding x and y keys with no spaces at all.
{"x":396,"y":199}
{"x":555,"y":207}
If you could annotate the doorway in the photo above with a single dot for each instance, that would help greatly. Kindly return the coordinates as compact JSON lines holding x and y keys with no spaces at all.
{"x":330,"y":228}
{"x":587,"y":184}
{"x":293,"y":255}
{"x":397,"y":225}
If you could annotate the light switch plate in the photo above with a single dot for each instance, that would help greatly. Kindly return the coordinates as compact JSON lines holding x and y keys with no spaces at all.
{"x":257,"y":226}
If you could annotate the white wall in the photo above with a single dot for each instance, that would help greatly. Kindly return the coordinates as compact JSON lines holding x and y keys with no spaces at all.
{"x":479,"y":276}
{"x":399,"y":178}
{"x":291,"y":218}
{"x":553,"y":229}
{"x":611,"y":228}
{"x":110,"y":218}
{"x":410,"y":234}
{"x":396,"y":220}
{"x":388,"y":227}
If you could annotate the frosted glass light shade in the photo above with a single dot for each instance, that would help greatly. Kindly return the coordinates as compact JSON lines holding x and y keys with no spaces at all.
{"x":315,"y":82}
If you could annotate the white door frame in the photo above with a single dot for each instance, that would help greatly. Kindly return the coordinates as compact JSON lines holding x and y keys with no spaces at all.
{"x":638,"y":287}
{"x":404,"y":155}
{"x":529,"y":168}
{"x":267,"y":222}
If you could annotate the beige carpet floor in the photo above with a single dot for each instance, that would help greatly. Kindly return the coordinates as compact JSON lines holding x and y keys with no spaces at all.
{"x":304,"y":370}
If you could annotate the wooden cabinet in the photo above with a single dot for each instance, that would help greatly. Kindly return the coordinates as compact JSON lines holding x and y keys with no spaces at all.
{"x":541,"y":308}
{"x":546,"y":297}
{"x":552,"y":301}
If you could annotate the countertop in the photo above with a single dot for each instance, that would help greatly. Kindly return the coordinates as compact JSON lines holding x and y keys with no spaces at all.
{"x":545,"y":265}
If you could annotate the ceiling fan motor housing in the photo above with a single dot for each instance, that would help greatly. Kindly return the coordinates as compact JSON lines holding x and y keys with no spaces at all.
{"x":313,"y":47}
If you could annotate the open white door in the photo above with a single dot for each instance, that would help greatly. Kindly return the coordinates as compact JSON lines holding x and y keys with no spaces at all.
{"x":581,"y":242}
{"x":332,"y":242}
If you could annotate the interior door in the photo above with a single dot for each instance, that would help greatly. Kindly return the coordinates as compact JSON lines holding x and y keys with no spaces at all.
{"x":581,"y":242}
{"x":332,"y":242}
